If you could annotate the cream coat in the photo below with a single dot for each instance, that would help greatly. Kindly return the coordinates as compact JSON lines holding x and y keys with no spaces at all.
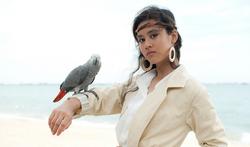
{"x":178,"y":105}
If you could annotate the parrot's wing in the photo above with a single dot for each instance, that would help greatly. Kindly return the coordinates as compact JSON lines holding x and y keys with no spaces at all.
{"x":89,"y":79}
{"x":76,"y":77}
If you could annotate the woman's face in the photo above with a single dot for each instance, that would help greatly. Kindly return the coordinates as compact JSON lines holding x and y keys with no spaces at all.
{"x":154,"y":42}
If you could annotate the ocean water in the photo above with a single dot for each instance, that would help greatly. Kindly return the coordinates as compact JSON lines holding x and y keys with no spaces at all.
{"x":36,"y":101}
{"x":232,"y":102}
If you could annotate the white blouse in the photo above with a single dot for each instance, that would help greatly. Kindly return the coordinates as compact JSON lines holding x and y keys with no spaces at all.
{"x":134,"y":103}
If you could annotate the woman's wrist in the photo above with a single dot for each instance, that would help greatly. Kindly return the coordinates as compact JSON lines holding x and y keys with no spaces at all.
{"x":73,"y":104}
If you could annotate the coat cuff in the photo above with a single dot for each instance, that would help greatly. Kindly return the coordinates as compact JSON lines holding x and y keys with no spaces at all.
{"x":85,"y":106}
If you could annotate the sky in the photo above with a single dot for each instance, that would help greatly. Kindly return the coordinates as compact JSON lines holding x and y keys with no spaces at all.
{"x":42,"y":41}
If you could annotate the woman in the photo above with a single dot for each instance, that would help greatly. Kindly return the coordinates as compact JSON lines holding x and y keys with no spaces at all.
{"x":158,"y":107}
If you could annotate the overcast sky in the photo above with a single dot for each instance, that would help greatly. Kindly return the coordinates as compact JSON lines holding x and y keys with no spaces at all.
{"x":42,"y":41}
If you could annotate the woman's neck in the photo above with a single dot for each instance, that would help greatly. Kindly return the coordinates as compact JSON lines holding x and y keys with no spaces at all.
{"x":162,"y":70}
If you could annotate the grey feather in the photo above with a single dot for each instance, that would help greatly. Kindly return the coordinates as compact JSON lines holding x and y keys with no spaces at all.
{"x":82,"y":76}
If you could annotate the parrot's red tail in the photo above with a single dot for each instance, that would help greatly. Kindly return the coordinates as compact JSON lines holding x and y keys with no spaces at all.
{"x":60,"y":95}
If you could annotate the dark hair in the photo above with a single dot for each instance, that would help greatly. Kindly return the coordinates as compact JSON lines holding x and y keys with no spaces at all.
{"x":163,"y":17}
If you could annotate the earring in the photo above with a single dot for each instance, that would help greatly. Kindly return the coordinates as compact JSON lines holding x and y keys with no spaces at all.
{"x":172,"y":54}
{"x":145,"y":64}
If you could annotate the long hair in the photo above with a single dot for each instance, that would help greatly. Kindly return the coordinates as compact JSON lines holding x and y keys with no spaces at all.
{"x":162,"y":17}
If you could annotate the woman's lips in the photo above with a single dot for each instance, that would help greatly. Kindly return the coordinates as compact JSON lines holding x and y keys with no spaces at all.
{"x":150,"y":53}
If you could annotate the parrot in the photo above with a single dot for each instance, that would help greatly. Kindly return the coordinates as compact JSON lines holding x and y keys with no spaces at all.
{"x":80,"y":77}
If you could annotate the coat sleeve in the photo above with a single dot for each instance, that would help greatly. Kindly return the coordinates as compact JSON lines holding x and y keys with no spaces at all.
{"x":100,"y":101}
{"x":204,"y":121}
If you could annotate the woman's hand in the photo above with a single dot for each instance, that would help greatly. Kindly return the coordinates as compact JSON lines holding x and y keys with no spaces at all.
{"x":61,"y":117}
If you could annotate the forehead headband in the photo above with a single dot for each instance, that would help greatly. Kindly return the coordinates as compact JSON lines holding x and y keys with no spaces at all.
{"x":148,"y":24}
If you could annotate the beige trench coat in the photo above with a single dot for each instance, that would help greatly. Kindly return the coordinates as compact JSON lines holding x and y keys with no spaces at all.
{"x":179,"y":105}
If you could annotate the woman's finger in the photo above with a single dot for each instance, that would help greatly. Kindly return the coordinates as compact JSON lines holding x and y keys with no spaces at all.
{"x":53,"y":121}
{"x":64,"y":125}
{"x":57,"y":122}
{"x":52,"y":115}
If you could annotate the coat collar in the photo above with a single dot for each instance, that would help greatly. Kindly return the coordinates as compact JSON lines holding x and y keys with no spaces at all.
{"x":177,"y":78}
{"x":142,"y":117}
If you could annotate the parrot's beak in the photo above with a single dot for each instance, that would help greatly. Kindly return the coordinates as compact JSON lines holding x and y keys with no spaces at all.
{"x":60,"y":95}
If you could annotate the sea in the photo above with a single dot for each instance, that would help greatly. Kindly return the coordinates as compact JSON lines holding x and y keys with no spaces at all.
{"x":231,"y":100}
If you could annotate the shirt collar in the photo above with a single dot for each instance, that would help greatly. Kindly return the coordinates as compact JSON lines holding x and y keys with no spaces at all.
{"x":144,"y":80}
{"x":176,"y":78}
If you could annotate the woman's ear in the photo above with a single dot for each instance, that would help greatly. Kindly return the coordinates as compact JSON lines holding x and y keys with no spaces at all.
{"x":174,"y":35}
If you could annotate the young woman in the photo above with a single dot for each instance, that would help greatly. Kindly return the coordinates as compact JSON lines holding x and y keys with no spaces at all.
{"x":158,"y":107}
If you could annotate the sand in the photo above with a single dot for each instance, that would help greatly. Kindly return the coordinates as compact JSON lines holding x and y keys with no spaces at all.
{"x":25,"y":132}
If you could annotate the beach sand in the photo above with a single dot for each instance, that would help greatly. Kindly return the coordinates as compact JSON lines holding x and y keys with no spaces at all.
{"x":24,"y":132}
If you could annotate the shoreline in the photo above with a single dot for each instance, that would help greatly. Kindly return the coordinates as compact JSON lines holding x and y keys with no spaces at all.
{"x":31,"y":132}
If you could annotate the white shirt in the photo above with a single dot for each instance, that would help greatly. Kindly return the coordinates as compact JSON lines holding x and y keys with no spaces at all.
{"x":134,"y":103}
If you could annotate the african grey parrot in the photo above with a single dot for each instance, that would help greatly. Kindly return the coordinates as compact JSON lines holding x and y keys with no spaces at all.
{"x":80,"y":77}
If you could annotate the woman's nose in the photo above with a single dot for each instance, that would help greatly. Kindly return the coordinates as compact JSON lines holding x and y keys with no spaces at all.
{"x":148,"y":45}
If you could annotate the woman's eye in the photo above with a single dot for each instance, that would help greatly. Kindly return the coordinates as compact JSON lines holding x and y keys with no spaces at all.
{"x":141,"y":40}
{"x":152,"y":36}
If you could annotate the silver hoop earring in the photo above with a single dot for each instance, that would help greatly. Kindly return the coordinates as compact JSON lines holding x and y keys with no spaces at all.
{"x":172,"y":54}
{"x":145,"y":64}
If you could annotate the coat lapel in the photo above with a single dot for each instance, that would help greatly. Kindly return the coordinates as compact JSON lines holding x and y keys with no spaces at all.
{"x":145,"y":113}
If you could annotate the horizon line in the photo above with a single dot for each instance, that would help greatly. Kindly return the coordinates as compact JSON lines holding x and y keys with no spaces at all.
{"x":110,"y":83}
